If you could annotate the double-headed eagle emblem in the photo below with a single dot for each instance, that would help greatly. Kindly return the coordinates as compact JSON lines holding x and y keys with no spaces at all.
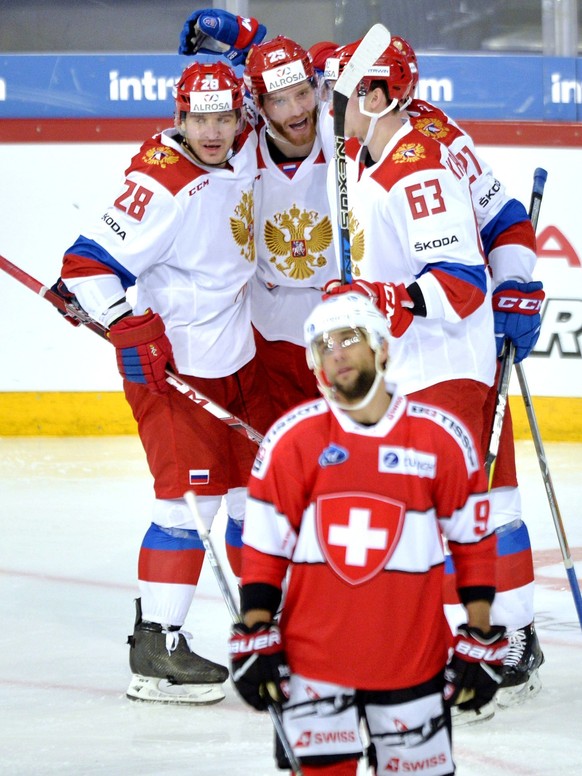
{"x":297,"y":241}
{"x":243,"y":228}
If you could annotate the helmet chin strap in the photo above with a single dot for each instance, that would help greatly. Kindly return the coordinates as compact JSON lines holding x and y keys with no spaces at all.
{"x":374,"y":117}
{"x":331,"y":393}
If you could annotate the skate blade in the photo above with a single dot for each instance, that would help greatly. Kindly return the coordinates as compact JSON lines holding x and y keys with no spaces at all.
{"x":520,"y":693}
{"x":155,"y":690}
{"x":460,"y":717}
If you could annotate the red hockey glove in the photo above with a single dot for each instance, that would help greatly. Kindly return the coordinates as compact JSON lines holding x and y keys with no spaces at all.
{"x":258,"y":665}
{"x":475,"y":669}
{"x":393,"y":300}
{"x":143,"y":350}
{"x":516,"y":313}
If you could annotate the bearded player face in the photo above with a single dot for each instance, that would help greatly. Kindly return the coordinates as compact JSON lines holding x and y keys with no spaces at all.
{"x":292,"y":112}
{"x":348,"y":362}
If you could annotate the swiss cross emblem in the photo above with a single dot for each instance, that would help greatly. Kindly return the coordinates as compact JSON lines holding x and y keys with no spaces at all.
{"x":358,"y":533}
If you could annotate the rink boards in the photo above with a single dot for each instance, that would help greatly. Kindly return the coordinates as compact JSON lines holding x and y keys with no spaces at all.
{"x":60,"y":174}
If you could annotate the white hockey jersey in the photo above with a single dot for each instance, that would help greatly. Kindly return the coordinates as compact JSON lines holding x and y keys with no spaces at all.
{"x":294,"y":237}
{"x":394,"y":240}
{"x":513,"y":256}
{"x":183,"y":234}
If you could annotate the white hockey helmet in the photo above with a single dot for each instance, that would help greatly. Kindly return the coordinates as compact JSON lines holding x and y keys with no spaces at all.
{"x":345,"y":311}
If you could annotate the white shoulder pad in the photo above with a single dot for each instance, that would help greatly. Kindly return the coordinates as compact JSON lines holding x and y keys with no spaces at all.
{"x":453,"y":426}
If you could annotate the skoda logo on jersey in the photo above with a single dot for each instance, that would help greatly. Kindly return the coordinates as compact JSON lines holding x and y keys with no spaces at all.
{"x":333,"y":455}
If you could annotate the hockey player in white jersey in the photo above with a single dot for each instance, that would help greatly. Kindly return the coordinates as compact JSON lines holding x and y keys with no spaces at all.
{"x":509,"y":243}
{"x":181,"y":232}
{"x":295,"y":253}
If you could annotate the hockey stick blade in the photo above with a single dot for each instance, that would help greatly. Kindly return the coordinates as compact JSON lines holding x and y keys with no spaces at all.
{"x":376,"y":40}
{"x":204,"y":535}
{"x":172,"y":378}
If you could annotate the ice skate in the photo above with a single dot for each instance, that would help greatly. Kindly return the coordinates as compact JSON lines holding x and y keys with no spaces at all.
{"x":461,"y":717}
{"x":521,"y":680}
{"x":166,"y":670}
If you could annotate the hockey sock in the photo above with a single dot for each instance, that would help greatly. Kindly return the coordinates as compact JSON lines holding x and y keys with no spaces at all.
{"x":233,"y":545}
{"x":170,"y":562}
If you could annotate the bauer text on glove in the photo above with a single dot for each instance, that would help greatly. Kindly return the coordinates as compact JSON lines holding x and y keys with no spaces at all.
{"x":258,"y":664}
{"x":475,"y":669}
{"x":143,"y":350}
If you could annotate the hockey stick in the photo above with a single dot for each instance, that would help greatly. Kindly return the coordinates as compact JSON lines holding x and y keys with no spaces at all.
{"x":204,"y":535}
{"x":540,"y":177}
{"x":376,"y":40}
{"x":550,"y":492}
{"x":177,"y":382}
{"x":539,"y":182}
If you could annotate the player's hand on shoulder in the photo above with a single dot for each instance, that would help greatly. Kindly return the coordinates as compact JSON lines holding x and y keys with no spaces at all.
{"x":258,"y":665}
{"x":143,"y":350}
{"x":214,"y":31}
{"x":475,"y":668}
{"x":517,"y":316}
{"x":390,"y":298}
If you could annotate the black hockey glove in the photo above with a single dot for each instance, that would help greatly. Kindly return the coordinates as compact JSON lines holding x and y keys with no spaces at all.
{"x":258,"y":664}
{"x":59,"y":288}
{"x":475,"y":669}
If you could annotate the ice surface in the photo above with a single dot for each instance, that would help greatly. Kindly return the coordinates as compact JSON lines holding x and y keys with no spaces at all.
{"x":73,"y":513}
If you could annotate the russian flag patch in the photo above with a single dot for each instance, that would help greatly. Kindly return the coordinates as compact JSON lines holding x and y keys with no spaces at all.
{"x":199,"y":476}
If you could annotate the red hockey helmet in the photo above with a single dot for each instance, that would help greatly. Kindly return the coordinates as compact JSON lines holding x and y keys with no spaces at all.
{"x":336,"y":62}
{"x":396,"y":66}
{"x":209,"y":88}
{"x":274,"y":65}
{"x":410,"y":55}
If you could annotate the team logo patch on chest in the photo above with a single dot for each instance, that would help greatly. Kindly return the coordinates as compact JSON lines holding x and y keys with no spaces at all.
{"x":409,"y":153}
{"x":358,"y":533}
{"x":333,"y":455}
{"x":297,"y":240}
{"x":160,"y":156}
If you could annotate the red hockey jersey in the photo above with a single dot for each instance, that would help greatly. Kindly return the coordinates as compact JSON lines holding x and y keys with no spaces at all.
{"x":356,"y":515}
